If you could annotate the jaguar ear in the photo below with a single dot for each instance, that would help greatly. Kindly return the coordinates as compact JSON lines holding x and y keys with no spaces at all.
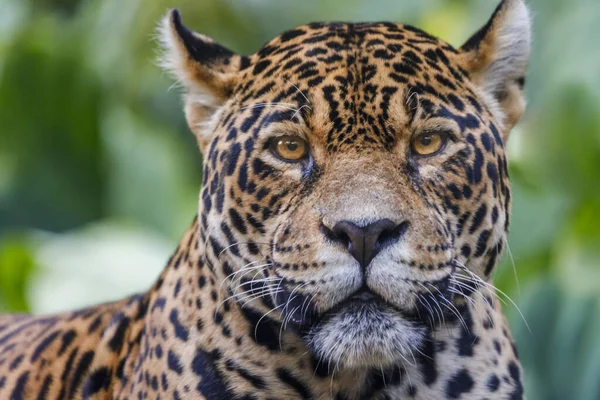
{"x":207,"y":71}
{"x":496,"y":59}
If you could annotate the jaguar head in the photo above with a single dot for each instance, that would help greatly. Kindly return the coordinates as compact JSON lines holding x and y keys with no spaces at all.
{"x":355,"y":180}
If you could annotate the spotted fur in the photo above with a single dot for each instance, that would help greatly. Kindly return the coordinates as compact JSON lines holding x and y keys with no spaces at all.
{"x":263,"y":299}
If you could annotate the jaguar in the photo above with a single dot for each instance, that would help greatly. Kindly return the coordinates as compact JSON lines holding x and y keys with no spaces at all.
{"x":354,"y":205}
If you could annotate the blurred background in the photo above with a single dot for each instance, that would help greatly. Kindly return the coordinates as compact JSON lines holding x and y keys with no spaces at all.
{"x":99,"y":175}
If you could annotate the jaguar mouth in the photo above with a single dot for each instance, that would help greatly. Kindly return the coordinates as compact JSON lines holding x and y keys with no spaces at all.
{"x":364,"y":299}
{"x":302,"y":317}
{"x":361,"y":298}
{"x":364,"y":294}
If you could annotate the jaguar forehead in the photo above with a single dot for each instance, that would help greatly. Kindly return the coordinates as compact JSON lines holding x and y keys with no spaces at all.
{"x":357,"y":85}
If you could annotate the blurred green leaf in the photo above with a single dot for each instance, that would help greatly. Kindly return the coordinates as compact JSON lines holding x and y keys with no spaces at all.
{"x":49,"y":109}
{"x":560,"y":352}
{"x":564,"y":143}
{"x":145,"y":158}
{"x":16,"y":268}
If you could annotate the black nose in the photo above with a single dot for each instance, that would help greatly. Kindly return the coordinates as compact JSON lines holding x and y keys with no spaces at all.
{"x":364,"y":242}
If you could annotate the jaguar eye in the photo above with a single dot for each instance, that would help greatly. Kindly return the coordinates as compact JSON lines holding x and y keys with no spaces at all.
{"x":289,"y":148}
{"x":427,"y":144}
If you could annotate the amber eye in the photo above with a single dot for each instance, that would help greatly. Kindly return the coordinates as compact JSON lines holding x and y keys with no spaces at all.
{"x":289,"y":148}
{"x":427,"y":144}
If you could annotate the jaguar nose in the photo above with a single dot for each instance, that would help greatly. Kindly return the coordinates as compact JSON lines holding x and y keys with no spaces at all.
{"x":364,"y":242}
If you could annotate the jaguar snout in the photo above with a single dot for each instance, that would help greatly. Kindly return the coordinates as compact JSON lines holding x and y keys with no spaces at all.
{"x":365,"y":241}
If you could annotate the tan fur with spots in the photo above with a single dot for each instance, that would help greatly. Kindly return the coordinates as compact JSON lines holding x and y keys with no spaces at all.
{"x":360,"y":270}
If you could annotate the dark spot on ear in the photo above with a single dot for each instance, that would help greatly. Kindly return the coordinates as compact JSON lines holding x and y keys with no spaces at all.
{"x":476,"y":39}
{"x":200,"y":50}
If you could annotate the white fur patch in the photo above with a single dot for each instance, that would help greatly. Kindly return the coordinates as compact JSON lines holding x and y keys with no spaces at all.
{"x":174,"y":59}
{"x":512,"y":47}
{"x":510,"y":55}
{"x":366,"y":335}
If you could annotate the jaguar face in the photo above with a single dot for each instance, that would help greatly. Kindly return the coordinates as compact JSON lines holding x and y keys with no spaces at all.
{"x":366,"y":243}
{"x":355,"y":180}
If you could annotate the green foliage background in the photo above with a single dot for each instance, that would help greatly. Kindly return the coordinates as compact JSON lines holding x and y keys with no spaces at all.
{"x":91,"y":136}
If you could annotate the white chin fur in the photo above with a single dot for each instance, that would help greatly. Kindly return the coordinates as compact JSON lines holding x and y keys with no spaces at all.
{"x":365,"y":335}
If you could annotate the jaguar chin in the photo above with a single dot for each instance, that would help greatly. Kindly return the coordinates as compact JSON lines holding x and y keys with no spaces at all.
{"x":365,"y":331}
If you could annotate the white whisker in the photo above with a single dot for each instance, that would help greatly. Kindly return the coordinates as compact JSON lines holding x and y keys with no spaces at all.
{"x":493,"y":290}
{"x":288,"y":106}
